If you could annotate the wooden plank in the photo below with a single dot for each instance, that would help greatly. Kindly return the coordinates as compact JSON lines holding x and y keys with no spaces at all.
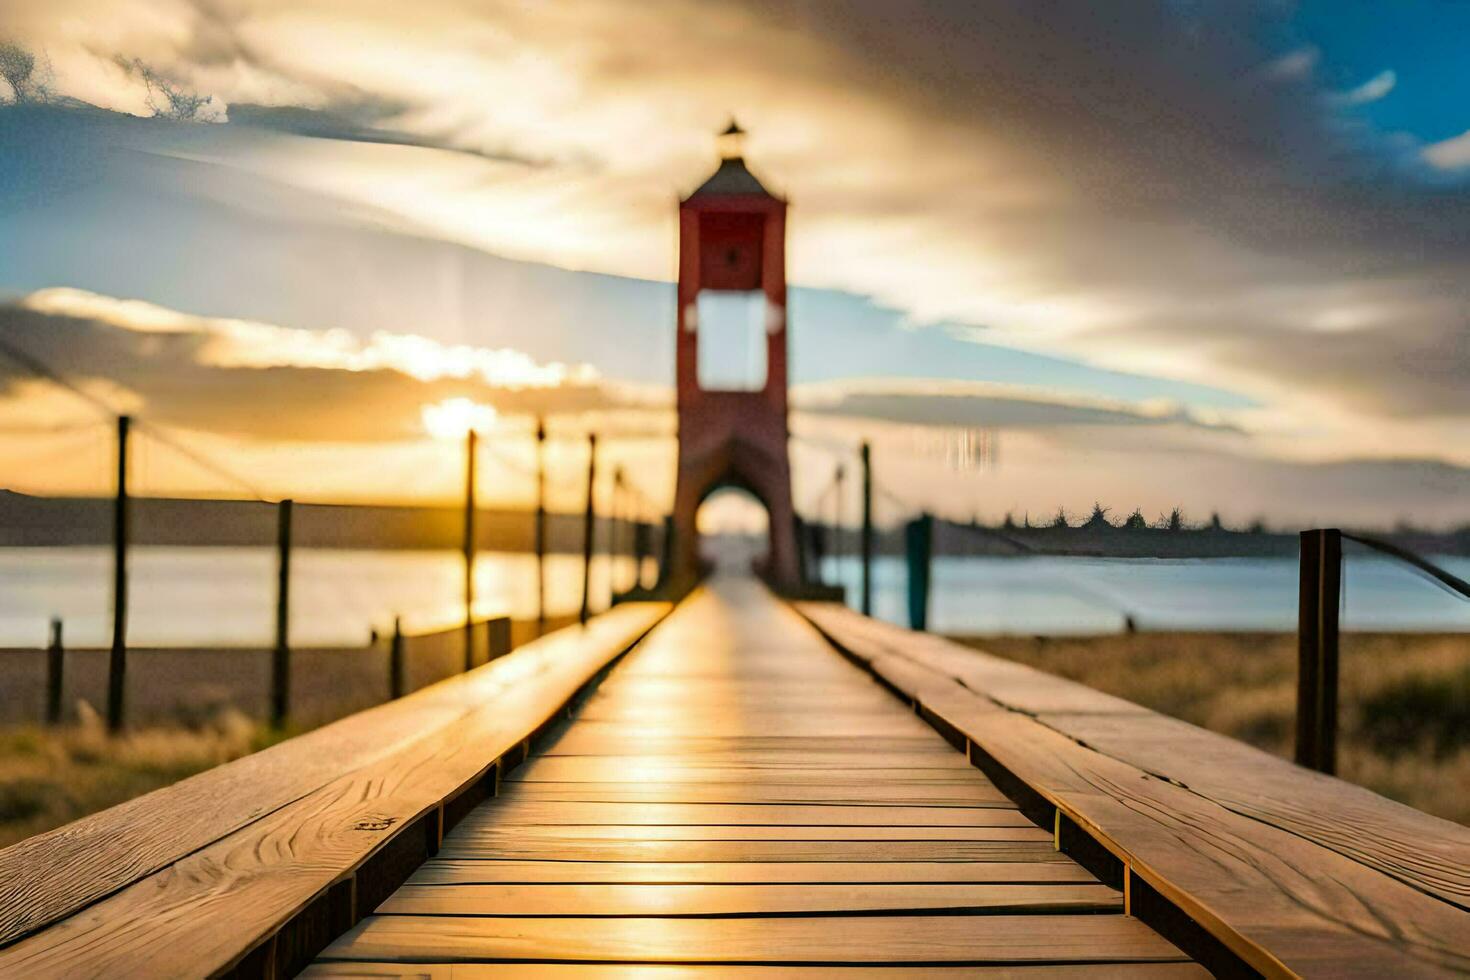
{"x":749,"y":878}
{"x":591,"y":769}
{"x":528,"y":813}
{"x":1280,"y":901}
{"x":576,"y":835}
{"x":871,"y":792}
{"x":747,"y":900}
{"x":449,"y":871}
{"x":677,"y":971}
{"x":739,"y":850}
{"x":599,"y":738}
{"x":826,"y":940}
{"x":1424,"y":852}
{"x":200,"y":914}
{"x":897,"y":725}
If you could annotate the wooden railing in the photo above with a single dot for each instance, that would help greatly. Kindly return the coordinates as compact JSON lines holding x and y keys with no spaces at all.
{"x":1243,"y":859}
{"x":252,"y":867}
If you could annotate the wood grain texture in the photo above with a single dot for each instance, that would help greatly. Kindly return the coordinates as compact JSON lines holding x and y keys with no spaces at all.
{"x":1422,"y":851}
{"x":530,"y":813}
{"x":571,"y":849}
{"x":199,"y":913}
{"x":857,"y":793}
{"x":829,"y":940}
{"x":779,"y":838}
{"x":454,"y":871}
{"x":601,"y":738}
{"x":1285,"y":900}
{"x":745,"y":900}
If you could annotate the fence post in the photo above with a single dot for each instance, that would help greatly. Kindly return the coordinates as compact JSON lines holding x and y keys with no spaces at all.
{"x":540,"y":527}
{"x":836,"y":544}
{"x":819,"y":536}
{"x":499,"y":638}
{"x":641,"y":532}
{"x":866,"y":545}
{"x":117,"y":659}
{"x":281,"y":656}
{"x":395,"y":660}
{"x":666,"y":552}
{"x":803,"y":548}
{"x":919,"y":549}
{"x":469,"y":548}
{"x":615,"y":531}
{"x":588,"y":530}
{"x":1317,"y":647}
{"x":55,"y":664}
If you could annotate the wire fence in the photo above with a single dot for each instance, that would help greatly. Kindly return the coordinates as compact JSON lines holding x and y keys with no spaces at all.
{"x":159,"y":571}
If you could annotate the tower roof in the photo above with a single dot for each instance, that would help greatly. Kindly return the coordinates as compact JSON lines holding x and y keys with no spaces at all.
{"x":732,"y":177}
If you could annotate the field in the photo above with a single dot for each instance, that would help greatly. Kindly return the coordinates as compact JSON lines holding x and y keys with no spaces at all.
{"x":1404,"y":708}
{"x":190,"y":710}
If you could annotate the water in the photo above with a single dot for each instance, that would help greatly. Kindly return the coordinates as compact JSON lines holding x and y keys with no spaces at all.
{"x":226,"y":596}
{"x":1049,"y":595}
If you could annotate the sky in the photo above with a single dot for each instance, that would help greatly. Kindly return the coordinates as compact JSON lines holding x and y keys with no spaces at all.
{"x":1178,"y":252}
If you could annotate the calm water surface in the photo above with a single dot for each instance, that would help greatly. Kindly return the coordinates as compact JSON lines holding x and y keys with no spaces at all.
{"x":225,"y":596}
{"x":1091,"y":595}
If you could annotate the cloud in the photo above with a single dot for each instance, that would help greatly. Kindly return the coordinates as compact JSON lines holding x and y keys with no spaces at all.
{"x":361,"y":121}
{"x":975,"y":405}
{"x":266,"y":382}
{"x":1372,"y":90}
{"x":1450,"y":154}
{"x":1146,"y":186}
{"x":1296,"y":65}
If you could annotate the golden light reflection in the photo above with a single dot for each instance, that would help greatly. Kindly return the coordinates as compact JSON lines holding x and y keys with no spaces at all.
{"x":454,"y":418}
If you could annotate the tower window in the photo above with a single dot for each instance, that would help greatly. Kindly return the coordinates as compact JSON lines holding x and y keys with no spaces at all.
{"x":732,"y":340}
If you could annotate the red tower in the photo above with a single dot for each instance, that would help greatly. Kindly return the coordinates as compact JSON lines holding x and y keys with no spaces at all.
{"x":732,"y":249}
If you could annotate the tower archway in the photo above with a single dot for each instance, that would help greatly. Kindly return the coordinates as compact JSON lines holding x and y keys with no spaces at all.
{"x":734,"y":529}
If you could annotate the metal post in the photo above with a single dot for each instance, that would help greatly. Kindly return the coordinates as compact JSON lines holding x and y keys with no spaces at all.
{"x":666,"y":552}
{"x":641,"y":532}
{"x":803,"y":548}
{"x":621,"y":527}
{"x":55,"y":664}
{"x":588,"y":530}
{"x":1317,"y":647}
{"x":867,"y":534}
{"x":469,"y":548}
{"x":395,"y":660}
{"x":836,"y":548}
{"x":117,"y":659}
{"x":540,"y":527}
{"x":281,"y":657}
{"x":919,"y":549}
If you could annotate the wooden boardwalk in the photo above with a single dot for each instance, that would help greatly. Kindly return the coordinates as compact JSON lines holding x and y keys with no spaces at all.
{"x":736,"y":793}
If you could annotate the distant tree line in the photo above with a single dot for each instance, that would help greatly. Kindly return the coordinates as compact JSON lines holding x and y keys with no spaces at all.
{"x":1099,"y":519}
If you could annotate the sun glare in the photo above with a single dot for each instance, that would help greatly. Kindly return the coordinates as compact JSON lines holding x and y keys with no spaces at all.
{"x":453,"y":418}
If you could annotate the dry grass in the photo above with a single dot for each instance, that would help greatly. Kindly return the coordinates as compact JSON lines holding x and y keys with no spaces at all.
{"x":1404,"y":698}
{"x":190,"y":710}
{"x":48,"y":778}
